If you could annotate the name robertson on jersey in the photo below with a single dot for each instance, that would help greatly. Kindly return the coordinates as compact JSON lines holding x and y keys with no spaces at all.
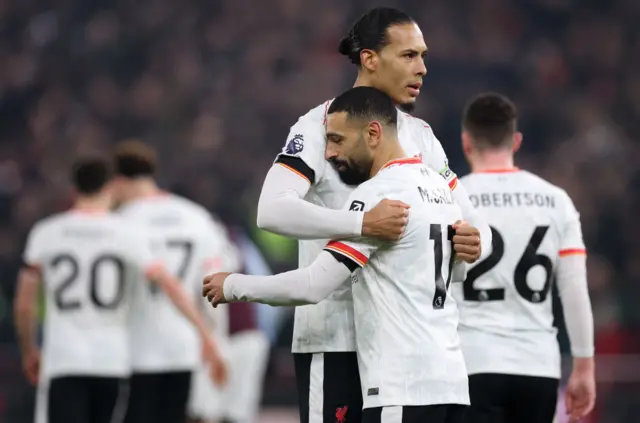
{"x":436,"y":196}
{"x":513,"y":199}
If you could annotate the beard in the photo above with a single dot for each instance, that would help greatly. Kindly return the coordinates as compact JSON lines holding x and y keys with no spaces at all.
{"x":350,"y":174}
{"x":407,"y":107}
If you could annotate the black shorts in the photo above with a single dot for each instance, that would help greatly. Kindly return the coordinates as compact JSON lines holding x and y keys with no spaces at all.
{"x":328,"y":387}
{"x":82,"y":399}
{"x":441,"y":413}
{"x":158,"y":397}
{"x":501,"y":398}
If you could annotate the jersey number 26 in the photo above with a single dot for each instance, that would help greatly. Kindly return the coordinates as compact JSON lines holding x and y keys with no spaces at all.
{"x":530,"y":258}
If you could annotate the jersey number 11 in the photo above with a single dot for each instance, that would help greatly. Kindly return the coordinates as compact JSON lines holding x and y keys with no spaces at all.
{"x":435,"y":234}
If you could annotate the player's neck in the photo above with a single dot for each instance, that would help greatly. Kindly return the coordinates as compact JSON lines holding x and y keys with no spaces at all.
{"x":95,"y":203}
{"x":364,"y":80}
{"x":392,"y":150}
{"x":142,"y":188}
{"x":493,"y":161}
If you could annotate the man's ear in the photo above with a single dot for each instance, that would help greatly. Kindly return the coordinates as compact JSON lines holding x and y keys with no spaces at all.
{"x":517,"y":141}
{"x":374,"y":133}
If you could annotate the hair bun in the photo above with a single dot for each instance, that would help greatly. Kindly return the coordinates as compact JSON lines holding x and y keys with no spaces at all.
{"x":345,"y":46}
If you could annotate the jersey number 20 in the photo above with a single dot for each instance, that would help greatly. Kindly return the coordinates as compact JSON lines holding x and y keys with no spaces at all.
{"x":528,"y":260}
{"x":62,"y":300}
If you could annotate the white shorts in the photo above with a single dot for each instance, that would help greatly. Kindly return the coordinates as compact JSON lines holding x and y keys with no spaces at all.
{"x":206,"y":401}
{"x":247,"y":355}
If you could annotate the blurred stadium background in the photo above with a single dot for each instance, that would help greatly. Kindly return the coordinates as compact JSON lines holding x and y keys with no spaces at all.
{"x":215,"y":85}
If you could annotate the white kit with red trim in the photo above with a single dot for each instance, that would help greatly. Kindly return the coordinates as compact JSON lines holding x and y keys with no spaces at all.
{"x":328,"y":326}
{"x":406,"y":321}
{"x":505,"y":302}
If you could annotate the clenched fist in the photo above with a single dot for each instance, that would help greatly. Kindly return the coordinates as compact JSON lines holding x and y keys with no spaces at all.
{"x":466,"y":242}
{"x":213,"y":288}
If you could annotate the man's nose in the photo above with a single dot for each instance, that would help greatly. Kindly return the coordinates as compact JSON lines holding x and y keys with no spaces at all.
{"x":329,"y":152}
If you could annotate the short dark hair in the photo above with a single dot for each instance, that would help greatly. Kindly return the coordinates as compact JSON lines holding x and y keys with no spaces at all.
{"x":366,"y":103}
{"x":490,"y":119}
{"x":134,"y":159}
{"x":370,"y":32}
{"x":90,"y":175}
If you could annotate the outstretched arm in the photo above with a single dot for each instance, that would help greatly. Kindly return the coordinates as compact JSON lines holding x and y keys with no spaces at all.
{"x":308,"y":285}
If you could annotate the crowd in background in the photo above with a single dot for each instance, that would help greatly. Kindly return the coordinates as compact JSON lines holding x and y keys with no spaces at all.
{"x":215,"y":85}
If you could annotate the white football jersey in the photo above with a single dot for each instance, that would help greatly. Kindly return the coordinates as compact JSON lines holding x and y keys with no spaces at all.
{"x":406,"y":323}
{"x":506,"y":320}
{"x":91,"y":263}
{"x":192,"y":246}
{"x":328,"y":326}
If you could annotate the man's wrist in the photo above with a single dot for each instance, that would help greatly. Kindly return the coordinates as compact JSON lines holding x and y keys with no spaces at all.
{"x":583,"y":364}
{"x":366,"y":224}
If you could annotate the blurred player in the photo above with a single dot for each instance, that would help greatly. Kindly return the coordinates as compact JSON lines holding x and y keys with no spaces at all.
{"x":165,"y":346}
{"x":211,"y":403}
{"x":301,"y":189}
{"x":506,"y":320}
{"x":412,"y":368}
{"x":89,"y":261}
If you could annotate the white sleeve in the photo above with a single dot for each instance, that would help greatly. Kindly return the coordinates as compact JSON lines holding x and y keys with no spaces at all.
{"x":34,"y":250}
{"x":283,"y":210}
{"x":301,"y":164}
{"x":436,"y":158}
{"x":308,"y":285}
{"x":571,"y":242}
{"x":303,"y":153}
{"x":572,"y":284}
{"x":355,"y":252}
{"x":572,"y":287}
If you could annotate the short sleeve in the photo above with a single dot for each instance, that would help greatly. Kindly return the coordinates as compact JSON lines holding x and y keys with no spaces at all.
{"x":355,"y":252}
{"x":571,"y":242}
{"x":436,"y":158}
{"x":303,"y":153}
{"x":34,"y":250}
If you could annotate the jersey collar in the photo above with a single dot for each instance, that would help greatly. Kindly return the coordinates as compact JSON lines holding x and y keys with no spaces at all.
{"x":506,"y":170}
{"x":404,"y":161}
{"x":89,"y":211}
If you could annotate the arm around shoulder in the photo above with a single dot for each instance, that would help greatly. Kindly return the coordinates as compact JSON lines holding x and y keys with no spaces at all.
{"x":282,"y":209}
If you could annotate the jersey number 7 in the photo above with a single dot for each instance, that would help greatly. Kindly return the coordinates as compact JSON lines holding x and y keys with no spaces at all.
{"x":435,"y":234}
{"x":528,"y":260}
{"x":185,"y":249}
